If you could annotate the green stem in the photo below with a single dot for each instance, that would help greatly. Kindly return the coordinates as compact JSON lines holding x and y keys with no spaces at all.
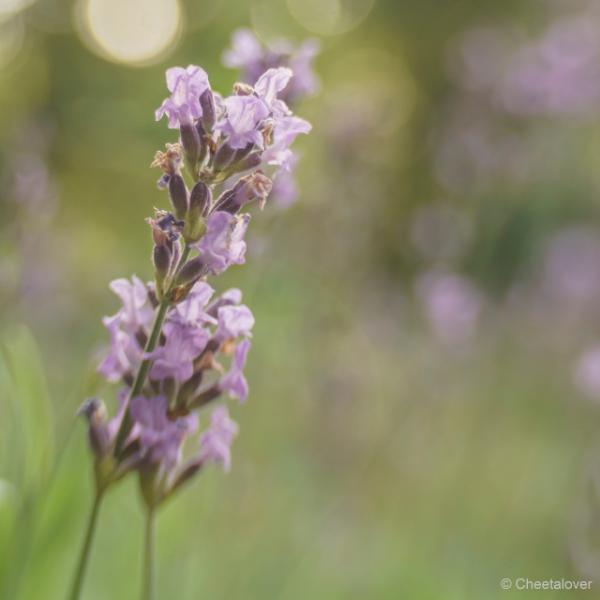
{"x":85,"y":550}
{"x":140,"y":377}
{"x":148,"y":576}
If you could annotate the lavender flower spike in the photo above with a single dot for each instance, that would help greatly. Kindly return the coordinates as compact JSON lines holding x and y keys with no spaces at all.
{"x":186,"y":87}
{"x":171,"y":341}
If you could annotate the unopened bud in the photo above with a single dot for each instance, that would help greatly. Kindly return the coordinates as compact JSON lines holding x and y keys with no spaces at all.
{"x":224,"y":157}
{"x":161,"y":257}
{"x":179,"y":195}
{"x":205,"y":397}
{"x":200,"y":200}
{"x":190,"y":140}
{"x":94,"y":411}
{"x":189,"y":388}
{"x":209,"y":114}
{"x":256,"y":186}
{"x":249,"y":162}
{"x":186,"y":473}
{"x":191,"y":271}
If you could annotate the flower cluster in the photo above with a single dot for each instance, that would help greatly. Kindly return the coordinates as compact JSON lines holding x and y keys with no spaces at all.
{"x":176,"y":345}
{"x":253,"y":58}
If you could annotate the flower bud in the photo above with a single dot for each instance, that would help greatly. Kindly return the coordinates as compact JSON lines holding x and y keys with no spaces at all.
{"x":256,"y":186}
{"x":179,"y":195}
{"x":188,"y":389}
{"x":190,"y":140}
{"x":191,"y":271}
{"x":186,"y":473}
{"x":200,"y":199}
{"x":161,"y":257}
{"x":224,"y":157}
{"x":209,"y":114}
{"x":95,"y":412}
{"x":249,"y":162}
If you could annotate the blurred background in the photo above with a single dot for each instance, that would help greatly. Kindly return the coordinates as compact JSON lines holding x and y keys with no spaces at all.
{"x":425,"y":372}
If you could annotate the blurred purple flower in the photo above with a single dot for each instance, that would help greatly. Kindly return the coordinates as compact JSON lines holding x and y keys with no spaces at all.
{"x":176,"y":356}
{"x":192,"y":312}
{"x":452,"y":305}
{"x":186,"y":87}
{"x":571,"y":269}
{"x":160,"y":437}
{"x":285,"y":189}
{"x":558,"y":73}
{"x":215,"y":442}
{"x":234,"y":382}
{"x":249,"y":55}
{"x":124,"y":354}
{"x":587,"y":373}
{"x":136,"y":313}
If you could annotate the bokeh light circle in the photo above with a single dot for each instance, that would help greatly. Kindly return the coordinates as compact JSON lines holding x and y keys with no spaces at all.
{"x":329,"y":17}
{"x":136,"y":32}
{"x":12,"y":35}
{"x":9,"y":8}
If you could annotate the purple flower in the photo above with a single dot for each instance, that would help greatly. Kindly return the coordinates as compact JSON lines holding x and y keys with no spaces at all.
{"x":234,"y":321}
{"x":234,"y":382}
{"x":243,"y":114}
{"x":269,"y":85}
{"x":249,"y":55}
{"x":186,"y":87}
{"x":223,"y":243}
{"x":215,"y":442}
{"x":124,"y":355}
{"x":285,"y":190}
{"x":160,"y":437}
{"x":102,"y":431}
{"x":192,"y":311}
{"x":176,"y":357}
{"x":245,"y":52}
{"x":227,"y":298}
{"x":452,"y":305}
{"x":304,"y":82}
{"x":284,"y":133}
{"x":587,"y":373}
{"x":136,"y":313}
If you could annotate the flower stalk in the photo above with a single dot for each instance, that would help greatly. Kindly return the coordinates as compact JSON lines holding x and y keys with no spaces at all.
{"x":84,"y":555}
{"x":176,"y":346}
{"x":148,"y":591}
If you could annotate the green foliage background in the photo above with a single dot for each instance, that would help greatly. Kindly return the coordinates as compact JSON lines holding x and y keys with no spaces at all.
{"x":370,"y":463}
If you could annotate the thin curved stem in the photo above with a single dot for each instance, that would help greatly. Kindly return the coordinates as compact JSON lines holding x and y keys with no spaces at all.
{"x":85,"y":549}
{"x":148,"y":575}
{"x":144,"y":367}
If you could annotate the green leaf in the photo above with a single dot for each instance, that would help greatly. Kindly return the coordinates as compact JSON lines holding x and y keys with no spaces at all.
{"x":26,"y":402}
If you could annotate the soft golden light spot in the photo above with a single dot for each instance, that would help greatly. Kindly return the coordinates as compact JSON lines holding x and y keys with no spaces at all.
{"x":327,"y":17}
{"x":136,"y":32}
